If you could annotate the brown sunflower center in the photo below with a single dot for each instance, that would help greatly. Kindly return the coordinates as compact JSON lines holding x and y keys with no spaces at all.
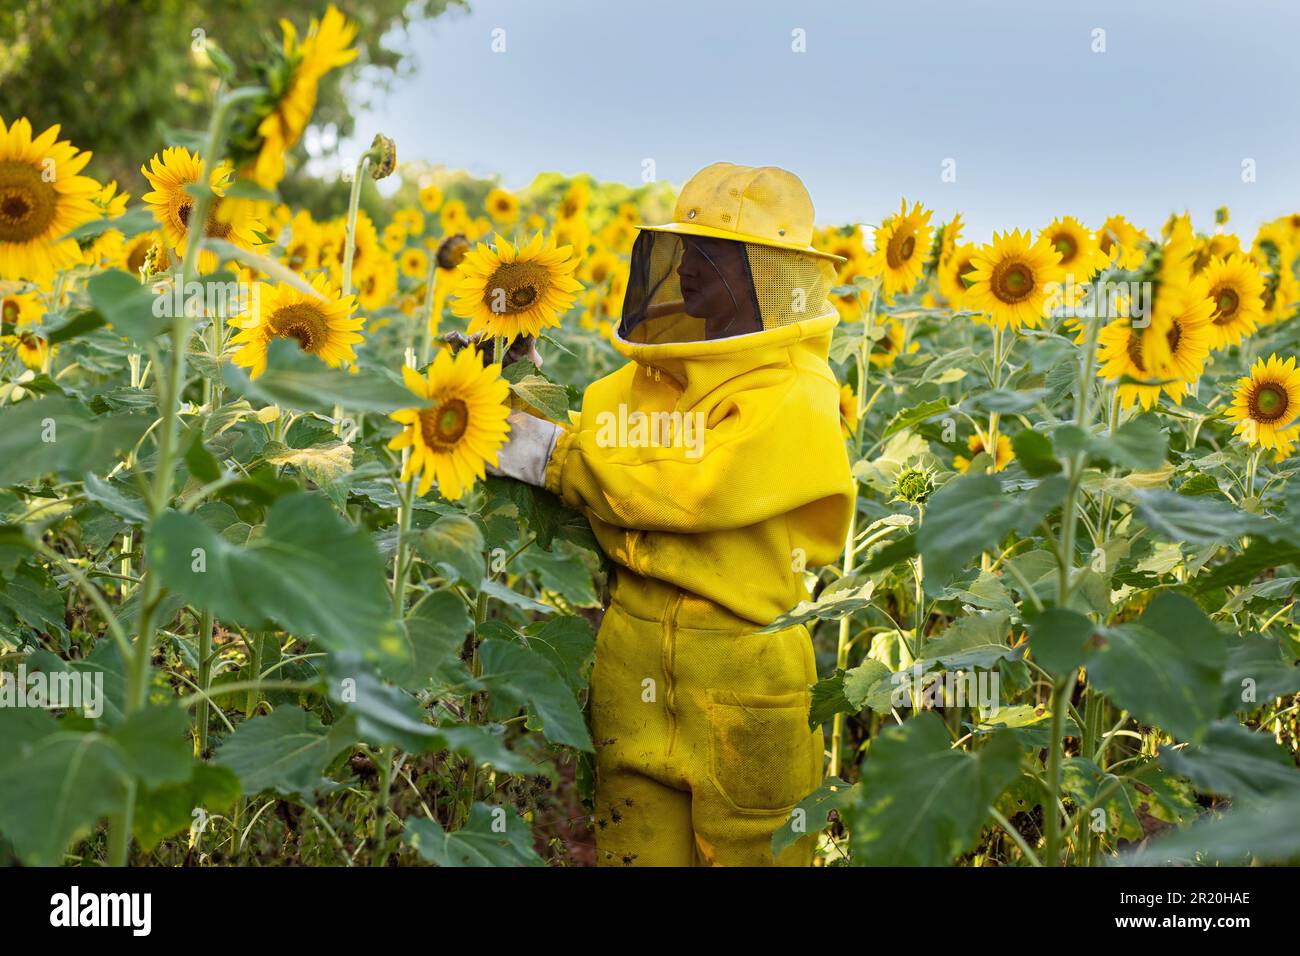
{"x":1269,"y":402}
{"x":1013,"y":281}
{"x":135,"y":259}
{"x":901,"y":247}
{"x":10,"y":311}
{"x":302,"y":323}
{"x":1066,"y":246}
{"x":214,"y":228}
{"x":27,"y":202}
{"x":443,"y":425}
{"x":1226,"y":302}
{"x":516,"y":287}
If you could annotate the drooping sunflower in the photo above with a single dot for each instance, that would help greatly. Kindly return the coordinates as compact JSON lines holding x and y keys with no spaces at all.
{"x":902,"y":243}
{"x":1169,"y":353}
{"x":513,"y":292}
{"x":1081,"y":256}
{"x":1236,"y":290}
{"x":502,"y":206}
{"x":321,"y":325}
{"x":976,"y":444}
{"x":954,"y":274}
{"x":1122,"y":241}
{"x":171,"y":205}
{"x":42,"y":198}
{"x":1221,"y":245}
{"x":1266,"y":405}
{"x":326,"y":46}
{"x":459,"y":425}
{"x":1010,"y":279}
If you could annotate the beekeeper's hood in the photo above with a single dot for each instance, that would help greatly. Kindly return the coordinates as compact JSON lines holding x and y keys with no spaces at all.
{"x":737,"y":259}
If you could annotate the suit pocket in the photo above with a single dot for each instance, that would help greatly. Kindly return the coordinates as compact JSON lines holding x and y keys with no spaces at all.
{"x":762,"y":754}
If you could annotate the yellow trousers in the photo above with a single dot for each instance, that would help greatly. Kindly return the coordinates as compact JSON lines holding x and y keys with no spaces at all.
{"x":701,"y":731}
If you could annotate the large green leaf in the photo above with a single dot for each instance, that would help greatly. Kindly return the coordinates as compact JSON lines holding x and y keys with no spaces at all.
{"x":831,"y":605}
{"x":58,"y":433}
{"x":971,"y":514}
{"x":1257,"y":671}
{"x":493,"y":836}
{"x":813,"y":812}
{"x":132,"y":309}
{"x":1196,"y":519}
{"x":302,"y":382}
{"x":924,"y":803}
{"x":56,"y":783}
{"x":435,"y":632}
{"x":1165,"y":669}
{"x":1057,"y":638}
{"x":1234,"y":762}
{"x":518,"y":676}
{"x":568,"y":643}
{"x":169,"y":809}
{"x":310,"y":572}
{"x":454,"y":546}
{"x":285,"y":752}
{"x":1263,"y":831}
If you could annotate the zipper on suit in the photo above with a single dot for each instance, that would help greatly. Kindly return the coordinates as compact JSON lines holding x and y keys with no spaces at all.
{"x":669,"y":661}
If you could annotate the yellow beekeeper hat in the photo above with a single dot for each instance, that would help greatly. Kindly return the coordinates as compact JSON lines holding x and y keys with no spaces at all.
{"x":765,"y":205}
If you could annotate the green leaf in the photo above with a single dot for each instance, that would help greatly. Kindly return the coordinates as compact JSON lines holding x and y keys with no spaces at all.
{"x":562,"y":571}
{"x":59,"y":434}
{"x":517,"y":676}
{"x":813,"y":813}
{"x":170,"y":809}
{"x":1165,"y":669}
{"x":1234,"y":762}
{"x":55,"y":784}
{"x":974,"y":640}
{"x":971,"y":514}
{"x":132,"y":309}
{"x":310,"y":572}
{"x":493,"y":836}
{"x":1196,"y":519}
{"x":547,"y":397}
{"x":381,"y":715}
{"x":924,"y":803}
{"x":1256,"y":672}
{"x":1262,"y":831}
{"x":118,"y":497}
{"x":453,"y":545}
{"x":568,"y":642}
{"x":285,"y":752}
{"x":435,"y":632}
{"x":1035,"y":453}
{"x":296,"y":380}
{"x":1057,"y":638}
{"x":1139,"y":444}
{"x":909,"y":417}
{"x":831,"y":605}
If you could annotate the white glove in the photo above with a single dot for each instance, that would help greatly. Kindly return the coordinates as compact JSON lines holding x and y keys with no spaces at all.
{"x":528,"y":449}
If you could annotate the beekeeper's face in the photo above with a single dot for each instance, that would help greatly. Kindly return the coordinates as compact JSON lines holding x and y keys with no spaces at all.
{"x":716,"y":286}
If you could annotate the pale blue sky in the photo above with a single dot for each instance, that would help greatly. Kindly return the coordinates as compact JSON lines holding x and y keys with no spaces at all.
{"x":1036,"y":122}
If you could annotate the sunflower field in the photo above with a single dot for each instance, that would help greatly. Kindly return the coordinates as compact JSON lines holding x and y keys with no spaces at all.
{"x":247,"y":504}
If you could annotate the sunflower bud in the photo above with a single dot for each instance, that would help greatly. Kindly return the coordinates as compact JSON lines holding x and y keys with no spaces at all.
{"x":914,"y":485}
{"x":1221,"y":215}
{"x":383,"y":157}
{"x":452,"y":251}
{"x":156,"y":262}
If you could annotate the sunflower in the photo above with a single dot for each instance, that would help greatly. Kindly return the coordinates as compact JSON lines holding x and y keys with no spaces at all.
{"x":1266,"y":405}
{"x":454,"y":218}
{"x":410,"y":219}
{"x":394,"y":236}
{"x":847,"y":244}
{"x":954,"y":273}
{"x":600,"y":267}
{"x":1236,"y":290}
{"x":1081,"y":256}
{"x":848,"y":411}
{"x":302,"y":247}
{"x":502,"y":206}
{"x":889,"y":347}
{"x":902,"y":243}
{"x":513,"y":292}
{"x":22,"y":312}
{"x":1169,"y":353}
{"x":459,"y":426}
{"x":1009,"y":279}
{"x":376,"y":284}
{"x":107,"y":247}
{"x":976,"y":444}
{"x":171,"y":204}
{"x":430,"y":198}
{"x":574,"y":202}
{"x":1219,"y":246}
{"x":367,"y":250}
{"x":1121,"y":242}
{"x":322,"y":325}
{"x":326,"y":46}
{"x":41,"y":199}
{"x":414,"y":263}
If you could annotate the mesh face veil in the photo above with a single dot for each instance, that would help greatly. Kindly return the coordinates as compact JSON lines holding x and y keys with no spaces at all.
{"x":684,"y":288}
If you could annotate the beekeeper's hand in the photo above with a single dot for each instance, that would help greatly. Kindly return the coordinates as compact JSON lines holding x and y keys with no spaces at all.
{"x":527,"y":450}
